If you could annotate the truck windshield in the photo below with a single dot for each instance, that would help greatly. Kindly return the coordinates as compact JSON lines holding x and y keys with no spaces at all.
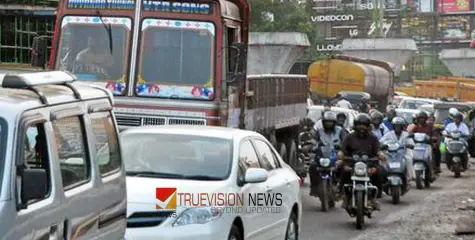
{"x":85,"y":48}
{"x":177,"y":57}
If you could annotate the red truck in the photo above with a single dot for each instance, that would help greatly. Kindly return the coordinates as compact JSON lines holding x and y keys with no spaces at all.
{"x":177,"y":62}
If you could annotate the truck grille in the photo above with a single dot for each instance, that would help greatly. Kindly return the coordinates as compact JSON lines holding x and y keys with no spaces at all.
{"x":137,"y":121}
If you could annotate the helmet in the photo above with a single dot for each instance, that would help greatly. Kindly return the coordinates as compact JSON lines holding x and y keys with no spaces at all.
{"x":398,"y":121}
{"x":453,"y":112}
{"x":422,"y":114}
{"x":329,"y":116}
{"x":459,"y":115}
{"x":391,"y":112}
{"x":377,"y":115}
{"x":362,"y":119}
{"x":341,"y":115}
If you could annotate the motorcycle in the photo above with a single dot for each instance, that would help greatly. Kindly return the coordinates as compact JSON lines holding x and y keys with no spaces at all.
{"x":456,"y":154}
{"x":397,"y":176}
{"x":306,"y":147}
{"x":326,"y":185}
{"x":360,"y":191}
{"x":422,"y":160}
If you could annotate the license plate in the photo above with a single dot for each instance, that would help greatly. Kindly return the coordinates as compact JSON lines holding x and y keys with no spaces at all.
{"x":394,"y":165}
{"x":355,"y":178}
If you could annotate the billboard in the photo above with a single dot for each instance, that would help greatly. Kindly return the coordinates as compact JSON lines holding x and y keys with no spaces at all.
{"x":447,"y":6}
{"x":420,"y":5}
{"x":419,"y":28}
{"x":454,"y":27}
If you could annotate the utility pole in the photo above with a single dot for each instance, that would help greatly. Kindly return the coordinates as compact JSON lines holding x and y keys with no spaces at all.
{"x":381,"y":18}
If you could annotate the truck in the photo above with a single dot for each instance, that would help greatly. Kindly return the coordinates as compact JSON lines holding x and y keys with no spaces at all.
{"x":343,"y":73}
{"x":457,"y":88}
{"x":177,"y":62}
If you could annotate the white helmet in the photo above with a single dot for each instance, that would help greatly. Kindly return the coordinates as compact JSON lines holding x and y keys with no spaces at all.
{"x":453,"y":112}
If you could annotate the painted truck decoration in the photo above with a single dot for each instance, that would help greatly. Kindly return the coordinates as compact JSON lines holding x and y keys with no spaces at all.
{"x":178,"y":62}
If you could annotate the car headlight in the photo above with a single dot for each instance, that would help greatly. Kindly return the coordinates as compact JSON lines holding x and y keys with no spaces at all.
{"x":197,"y":215}
{"x":324,"y":162}
{"x":360,"y":169}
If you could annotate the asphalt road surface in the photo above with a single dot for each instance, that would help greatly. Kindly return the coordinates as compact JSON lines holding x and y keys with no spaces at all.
{"x":336,"y":224}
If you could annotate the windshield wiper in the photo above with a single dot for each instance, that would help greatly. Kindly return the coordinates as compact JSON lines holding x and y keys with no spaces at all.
{"x":108,"y":28}
{"x":202,"y":177}
{"x":153,"y":174}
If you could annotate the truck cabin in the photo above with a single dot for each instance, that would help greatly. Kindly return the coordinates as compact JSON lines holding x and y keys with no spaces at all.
{"x":146,"y":49}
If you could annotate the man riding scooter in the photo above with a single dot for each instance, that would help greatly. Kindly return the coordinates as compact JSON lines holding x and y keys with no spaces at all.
{"x":341,"y":119}
{"x":457,"y":126}
{"x":401,"y":136}
{"x":361,"y":141}
{"x":390,"y":115}
{"x":421,"y":126}
{"x":379,"y":129}
{"x":329,"y":135}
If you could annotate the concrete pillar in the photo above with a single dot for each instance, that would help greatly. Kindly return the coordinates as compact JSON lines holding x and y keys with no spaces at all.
{"x":460,"y":62}
{"x":275,"y":52}
{"x":393,"y":50}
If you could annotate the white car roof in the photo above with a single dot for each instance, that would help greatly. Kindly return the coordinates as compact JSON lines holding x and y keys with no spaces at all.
{"x":336,"y":109}
{"x":422,"y":99}
{"x":407,"y":110}
{"x":204,"y":131}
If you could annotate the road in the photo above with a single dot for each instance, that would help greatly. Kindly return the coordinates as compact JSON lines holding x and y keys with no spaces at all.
{"x":337,"y":225}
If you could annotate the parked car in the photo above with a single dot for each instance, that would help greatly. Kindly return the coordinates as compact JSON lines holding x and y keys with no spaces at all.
{"x":315,"y":113}
{"x":427,"y":107}
{"x":57,"y":180}
{"x":198,"y":160}
{"x":415,"y":103}
{"x":407,"y":114}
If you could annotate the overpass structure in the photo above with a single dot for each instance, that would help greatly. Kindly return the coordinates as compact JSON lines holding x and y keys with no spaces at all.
{"x":275,"y":52}
{"x":393,"y":50}
{"x":460,"y":62}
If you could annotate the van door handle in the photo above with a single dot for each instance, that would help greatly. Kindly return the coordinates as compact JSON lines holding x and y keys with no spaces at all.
{"x":54,"y":233}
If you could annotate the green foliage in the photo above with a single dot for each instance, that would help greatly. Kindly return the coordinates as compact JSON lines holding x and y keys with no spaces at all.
{"x":288,"y":16}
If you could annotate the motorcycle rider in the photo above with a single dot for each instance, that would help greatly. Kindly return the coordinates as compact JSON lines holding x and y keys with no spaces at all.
{"x":329,"y":135}
{"x":401,"y":136}
{"x":341,"y":119}
{"x":390,"y":115}
{"x":458,"y":125}
{"x":361,"y":141}
{"x":420,"y":126}
{"x":379,"y":129}
{"x":364,"y":106}
{"x":450,"y":119}
{"x":343,"y":103}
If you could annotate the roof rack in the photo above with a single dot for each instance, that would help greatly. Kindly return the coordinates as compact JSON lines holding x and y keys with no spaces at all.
{"x":31,"y":80}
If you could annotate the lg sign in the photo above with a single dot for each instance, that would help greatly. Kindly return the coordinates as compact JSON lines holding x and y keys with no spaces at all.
{"x":332,"y":18}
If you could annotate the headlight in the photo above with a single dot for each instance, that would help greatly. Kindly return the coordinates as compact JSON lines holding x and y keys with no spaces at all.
{"x":360,"y":169}
{"x":455,"y":134}
{"x":324,"y":162}
{"x":456,"y":159}
{"x":197,"y":215}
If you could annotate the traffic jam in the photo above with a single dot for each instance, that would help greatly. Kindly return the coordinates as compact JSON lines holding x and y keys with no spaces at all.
{"x":124,"y":136}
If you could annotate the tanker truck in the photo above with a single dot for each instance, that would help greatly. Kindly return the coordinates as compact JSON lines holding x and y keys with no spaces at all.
{"x":343,"y":73}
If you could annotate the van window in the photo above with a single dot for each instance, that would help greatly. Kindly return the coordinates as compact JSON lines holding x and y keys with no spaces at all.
{"x":72,"y":151}
{"x":35,"y":152}
{"x":107,"y":145}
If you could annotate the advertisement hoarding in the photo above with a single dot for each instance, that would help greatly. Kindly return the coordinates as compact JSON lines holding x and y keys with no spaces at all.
{"x":454,"y":27}
{"x":447,"y":6}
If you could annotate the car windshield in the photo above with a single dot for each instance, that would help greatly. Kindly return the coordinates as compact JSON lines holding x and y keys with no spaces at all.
{"x":178,"y":57}
{"x":95,"y":49}
{"x":406,"y":115}
{"x":440,"y":115}
{"x":413,"y":104}
{"x":180,"y":156}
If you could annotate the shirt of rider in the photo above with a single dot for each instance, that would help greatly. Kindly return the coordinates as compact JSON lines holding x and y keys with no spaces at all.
{"x":353,"y":144}
{"x":462,"y":127}
{"x":318,"y":124}
{"x":391,"y":136}
{"x":343,"y":103}
{"x":328,"y":138}
{"x":380,"y":131}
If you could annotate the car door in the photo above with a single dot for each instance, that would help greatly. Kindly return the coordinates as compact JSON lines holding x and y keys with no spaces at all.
{"x":254,"y":224}
{"x":38,"y":219}
{"x":278,"y":189}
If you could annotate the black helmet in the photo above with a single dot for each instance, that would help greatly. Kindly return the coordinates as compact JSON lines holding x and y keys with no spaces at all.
{"x":391,"y":112}
{"x":422,"y":114}
{"x":329,"y":116}
{"x":362,"y":119}
{"x":341,"y":115}
{"x":377,"y":115}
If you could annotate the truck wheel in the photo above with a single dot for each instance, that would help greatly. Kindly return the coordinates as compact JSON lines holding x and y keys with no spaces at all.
{"x":273,"y":140}
{"x":293,"y":158}
{"x":283,"y":152}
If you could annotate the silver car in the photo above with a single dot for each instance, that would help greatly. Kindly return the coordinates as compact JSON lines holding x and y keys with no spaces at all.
{"x":61,"y":175}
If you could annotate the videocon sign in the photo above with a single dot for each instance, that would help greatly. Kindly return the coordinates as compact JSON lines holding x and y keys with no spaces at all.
{"x":332,"y":18}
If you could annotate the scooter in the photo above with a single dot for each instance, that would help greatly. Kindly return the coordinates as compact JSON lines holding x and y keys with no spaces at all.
{"x":422,"y":160}
{"x":360,"y":191}
{"x":327,"y":188}
{"x":456,"y":155}
{"x":397,"y":175}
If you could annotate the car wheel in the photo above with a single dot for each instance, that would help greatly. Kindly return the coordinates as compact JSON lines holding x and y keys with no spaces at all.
{"x":235,"y":233}
{"x":292,"y":232}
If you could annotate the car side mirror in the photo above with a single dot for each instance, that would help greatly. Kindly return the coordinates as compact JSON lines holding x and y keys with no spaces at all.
{"x":33,"y":185}
{"x":255,"y":175}
{"x":410,"y":146}
{"x":38,"y":52}
{"x":384,"y":147}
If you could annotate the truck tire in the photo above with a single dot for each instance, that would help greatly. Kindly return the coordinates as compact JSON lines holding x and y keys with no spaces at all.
{"x":273,"y":140}
{"x":293,"y":156}
{"x":283,"y":152}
